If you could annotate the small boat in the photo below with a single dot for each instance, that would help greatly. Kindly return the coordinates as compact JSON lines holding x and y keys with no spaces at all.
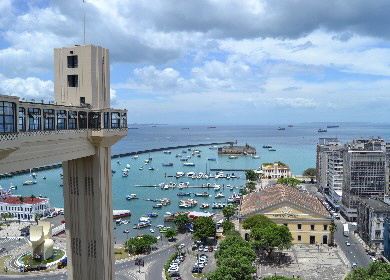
{"x":118,"y":162}
{"x":44,"y":177}
{"x":151,"y":168}
{"x":132,"y":196}
{"x":213,"y":147}
{"x":113,"y":171}
{"x":267,"y":147}
{"x":157,"y":206}
{"x":142,"y":225}
{"x":271,"y":150}
{"x":167,"y":164}
{"x":141,"y":168}
{"x":233,"y":157}
{"x":189,"y":164}
{"x":219,"y":195}
{"x":120,"y":213}
{"x":217,"y":187}
{"x":135,"y":157}
{"x":322,"y":130}
{"x":125,"y":174}
{"x":281,"y":128}
{"x":178,"y":155}
{"x":204,"y":205}
{"x":290,"y":125}
{"x":128,"y":166}
{"x":332,"y":126}
{"x":152,"y":214}
{"x":152,"y":230}
{"x":212,"y":159}
{"x":34,"y":175}
{"x":166,"y":152}
{"x":29,"y":182}
{"x":202,"y":194}
{"x":183,"y":194}
{"x":212,"y":127}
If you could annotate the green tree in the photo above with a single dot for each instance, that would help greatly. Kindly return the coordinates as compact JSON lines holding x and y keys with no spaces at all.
{"x":37,"y":217}
{"x":227,"y":227}
{"x":228,"y":211}
{"x":170,"y":233}
{"x":376,"y":271}
{"x":21,"y":199}
{"x":204,"y":227}
{"x":139,"y":245}
{"x":256,"y":221}
{"x":32,"y":197}
{"x":251,"y":175}
{"x":270,"y":237}
{"x":250,"y":186}
{"x":310,"y":172}
{"x":181,"y":221}
{"x":243,"y":192}
{"x":237,"y":266}
{"x":332,"y":229}
{"x":290,"y":182}
{"x":6,"y":216}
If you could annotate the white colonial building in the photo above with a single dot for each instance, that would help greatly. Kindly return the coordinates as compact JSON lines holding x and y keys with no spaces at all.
{"x":275,"y":170}
{"x":24,"y":209}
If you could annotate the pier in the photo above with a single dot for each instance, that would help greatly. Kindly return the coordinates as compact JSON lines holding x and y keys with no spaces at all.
{"x":58,"y":165}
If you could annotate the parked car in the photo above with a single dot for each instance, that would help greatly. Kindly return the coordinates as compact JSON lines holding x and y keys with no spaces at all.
{"x":196,"y":270}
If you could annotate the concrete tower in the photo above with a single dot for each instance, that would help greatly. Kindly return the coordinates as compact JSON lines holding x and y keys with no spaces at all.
{"x":78,"y":130}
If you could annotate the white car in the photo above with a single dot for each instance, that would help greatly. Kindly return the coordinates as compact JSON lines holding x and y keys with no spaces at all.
{"x":173,"y":269}
{"x":373,"y":259}
{"x":347,"y":243}
{"x":206,"y":249}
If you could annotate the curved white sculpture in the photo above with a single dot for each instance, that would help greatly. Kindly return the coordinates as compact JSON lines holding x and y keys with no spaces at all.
{"x":40,"y":242}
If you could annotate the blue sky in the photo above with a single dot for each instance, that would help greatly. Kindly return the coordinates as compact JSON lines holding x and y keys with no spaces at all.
{"x":213,"y":61}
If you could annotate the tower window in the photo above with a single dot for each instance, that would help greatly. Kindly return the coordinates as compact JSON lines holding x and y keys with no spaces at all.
{"x":73,"y":80}
{"x":73,"y":61}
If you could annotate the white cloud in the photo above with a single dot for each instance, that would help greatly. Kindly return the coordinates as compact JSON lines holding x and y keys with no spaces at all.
{"x":29,"y":88}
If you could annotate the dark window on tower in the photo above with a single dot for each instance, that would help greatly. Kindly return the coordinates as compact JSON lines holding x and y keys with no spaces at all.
{"x":73,"y":80}
{"x":72,"y":119}
{"x":73,"y":61}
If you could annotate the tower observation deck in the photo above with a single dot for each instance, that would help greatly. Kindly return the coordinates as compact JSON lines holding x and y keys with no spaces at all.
{"x":77,"y":130}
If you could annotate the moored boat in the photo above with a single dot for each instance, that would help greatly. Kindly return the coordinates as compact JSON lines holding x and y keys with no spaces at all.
{"x":132,"y":196}
{"x":29,"y":182}
{"x":167,"y":164}
{"x":120,"y":213}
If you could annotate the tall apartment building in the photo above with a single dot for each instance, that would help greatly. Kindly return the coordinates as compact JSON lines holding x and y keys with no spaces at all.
{"x":371,"y":216}
{"x":335,"y":178}
{"x":325,"y":148}
{"x":365,"y":174}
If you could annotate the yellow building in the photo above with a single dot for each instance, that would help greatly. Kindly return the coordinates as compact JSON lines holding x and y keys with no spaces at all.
{"x":303,"y":213}
{"x":275,"y":170}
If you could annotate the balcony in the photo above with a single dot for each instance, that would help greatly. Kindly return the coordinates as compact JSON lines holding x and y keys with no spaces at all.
{"x":53,"y":133}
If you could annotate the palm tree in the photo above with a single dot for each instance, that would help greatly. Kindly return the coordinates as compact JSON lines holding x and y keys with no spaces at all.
{"x":21,"y":199}
{"x":332,"y":229}
{"x":32,"y":197}
{"x":37,"y":217}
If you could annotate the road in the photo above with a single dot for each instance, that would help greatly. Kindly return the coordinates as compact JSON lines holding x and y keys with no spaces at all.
{"x":355,"y":252}
{"x":154,"y":271}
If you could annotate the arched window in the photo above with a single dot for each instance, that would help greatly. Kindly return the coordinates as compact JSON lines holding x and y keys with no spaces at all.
{"x":7,"y":117}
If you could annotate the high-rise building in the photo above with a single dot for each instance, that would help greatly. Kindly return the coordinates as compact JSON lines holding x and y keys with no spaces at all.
{"x":335,"y":178}
{"x":77,"y":130}
{"x":364,"y":174}
{"x":325,"y":148}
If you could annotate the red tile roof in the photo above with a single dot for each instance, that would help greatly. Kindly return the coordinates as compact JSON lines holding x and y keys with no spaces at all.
{"x":27,"y":200}
{"x":276,"y":194}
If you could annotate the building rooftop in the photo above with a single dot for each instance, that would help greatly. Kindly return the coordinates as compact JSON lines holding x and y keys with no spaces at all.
{"x":377,"y":205}
{"x":276,"y":194}
{"x":26,"y":200}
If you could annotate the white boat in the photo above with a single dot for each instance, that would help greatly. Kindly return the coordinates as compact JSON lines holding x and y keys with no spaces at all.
{"x":132,"y":196}
{"x":180,"y":174}
{"x":219,"y":195}
{"x":135,"y":157}
{"x":213,"y":147}
{"x":128,"y":166}
{"x":125,"y":170}
{"x":141,"y":168}
{"x":144,"y":219}
{"x":255,"y":156}
{"x":34,"y":175}
{"x":29,"y":182}
{"x":233,"y":157}
{"x":152,"y":230}
{"x":217,"y":187}
{"x":189,"y":164}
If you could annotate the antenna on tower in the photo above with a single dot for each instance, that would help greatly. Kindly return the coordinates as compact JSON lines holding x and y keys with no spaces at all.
{"x":84,"y":19}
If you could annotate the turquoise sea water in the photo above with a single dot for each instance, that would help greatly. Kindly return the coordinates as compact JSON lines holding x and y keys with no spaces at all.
{"x":294,"y":146}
